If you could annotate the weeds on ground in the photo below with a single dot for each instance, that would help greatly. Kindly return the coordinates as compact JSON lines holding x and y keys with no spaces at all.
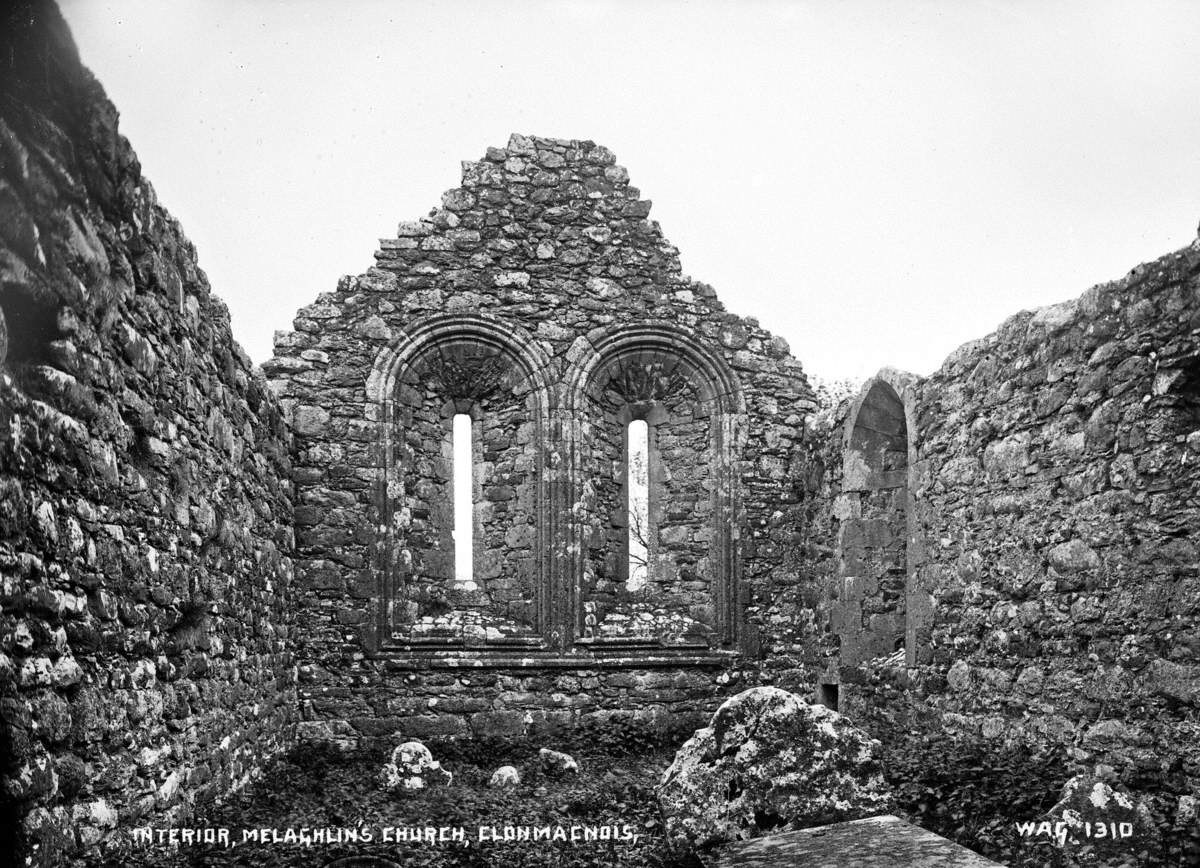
{"x":317,"y":788}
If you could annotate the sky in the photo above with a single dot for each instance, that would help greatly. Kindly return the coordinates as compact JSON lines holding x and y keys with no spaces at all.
{"x":877,"y":182}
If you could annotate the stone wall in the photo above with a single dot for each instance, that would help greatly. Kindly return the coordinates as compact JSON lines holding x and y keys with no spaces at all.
{"x":1005,"y":549}
{"x":1054,"y":484}
{"x":540,"y":301}
{"x":145,"y":513}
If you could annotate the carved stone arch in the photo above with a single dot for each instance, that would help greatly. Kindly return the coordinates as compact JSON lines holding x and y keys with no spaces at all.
{"x":647,"y":339}
{"x":879,"y":547}
{"x":660,"y":372}
{"x":440,"y":329}
{"x":443,"y":365}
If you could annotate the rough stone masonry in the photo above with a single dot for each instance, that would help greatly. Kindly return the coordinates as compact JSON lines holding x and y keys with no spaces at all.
{"x":146,"y":657}
{"x":1005,"y":549}
{"x":1036,"y":499}
{"x":540,"y":302}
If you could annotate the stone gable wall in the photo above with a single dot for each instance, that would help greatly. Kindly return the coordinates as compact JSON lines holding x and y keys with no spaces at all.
{"x":541,"y":300}
{"x":145,"y":507}
{"x":1056,"y":485}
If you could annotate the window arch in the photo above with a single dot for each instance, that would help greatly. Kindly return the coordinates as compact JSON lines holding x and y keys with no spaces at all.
{"x":470,"y":376}
{"x":878,"y":554}
{"x":549,"y":474}
{"x":693,"y":413}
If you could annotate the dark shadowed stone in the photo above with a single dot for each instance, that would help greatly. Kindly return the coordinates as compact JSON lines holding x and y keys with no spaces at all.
{"x":767,"y":761}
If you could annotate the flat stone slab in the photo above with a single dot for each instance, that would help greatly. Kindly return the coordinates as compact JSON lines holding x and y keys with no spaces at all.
{"x":874,"y":842}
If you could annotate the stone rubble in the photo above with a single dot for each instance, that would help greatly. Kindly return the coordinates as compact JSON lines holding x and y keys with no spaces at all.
{"x":556,"y":764}
{"x":412,"y":768}
{"x":505,"y":776}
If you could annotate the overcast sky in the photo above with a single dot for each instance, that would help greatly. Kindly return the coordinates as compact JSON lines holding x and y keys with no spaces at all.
{"x":877,"y":182}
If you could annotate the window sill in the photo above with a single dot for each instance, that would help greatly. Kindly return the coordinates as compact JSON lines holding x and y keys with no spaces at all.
{"x":412,"y":657}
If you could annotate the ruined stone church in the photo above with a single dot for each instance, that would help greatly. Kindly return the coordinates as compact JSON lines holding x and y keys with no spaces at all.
{"x":522,"y":472}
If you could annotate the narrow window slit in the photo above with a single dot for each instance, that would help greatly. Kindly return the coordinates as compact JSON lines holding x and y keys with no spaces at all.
{"x":464,"y":506}
{"x":638,"y":485}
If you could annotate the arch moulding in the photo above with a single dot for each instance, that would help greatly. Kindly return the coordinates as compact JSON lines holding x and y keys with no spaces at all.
{"x":717,"y":387}
{"x":392,"y":366}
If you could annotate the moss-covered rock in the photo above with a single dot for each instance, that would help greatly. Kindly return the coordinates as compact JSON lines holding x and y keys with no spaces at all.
{"x":412,"y":768}
{"x":769,"y":760}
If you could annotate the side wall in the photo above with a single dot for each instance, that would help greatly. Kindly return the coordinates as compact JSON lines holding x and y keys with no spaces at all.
{"x":144,"y":498}
{"x":1056,"y":485}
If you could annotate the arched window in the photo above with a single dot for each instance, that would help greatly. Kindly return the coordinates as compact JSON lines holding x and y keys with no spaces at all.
{"x":512,"y":520}
{"x":653,"y":558}
{"x":873,"y":538}
{"x":462,"y":504}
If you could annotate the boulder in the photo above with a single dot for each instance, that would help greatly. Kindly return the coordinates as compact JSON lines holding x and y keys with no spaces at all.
{"x":412,"y":768}
{"x":505,"y":776}
{"x":555,"y":764}
{"x":770,"y":761}
{"x":1093,"y":815}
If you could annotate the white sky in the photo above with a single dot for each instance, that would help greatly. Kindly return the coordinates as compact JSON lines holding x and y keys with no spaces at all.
{"x":877,"y":182}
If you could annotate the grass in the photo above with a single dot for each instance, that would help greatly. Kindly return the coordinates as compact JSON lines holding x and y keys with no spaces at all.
{"x":317,"y":788}
{"x":973,"y":793}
